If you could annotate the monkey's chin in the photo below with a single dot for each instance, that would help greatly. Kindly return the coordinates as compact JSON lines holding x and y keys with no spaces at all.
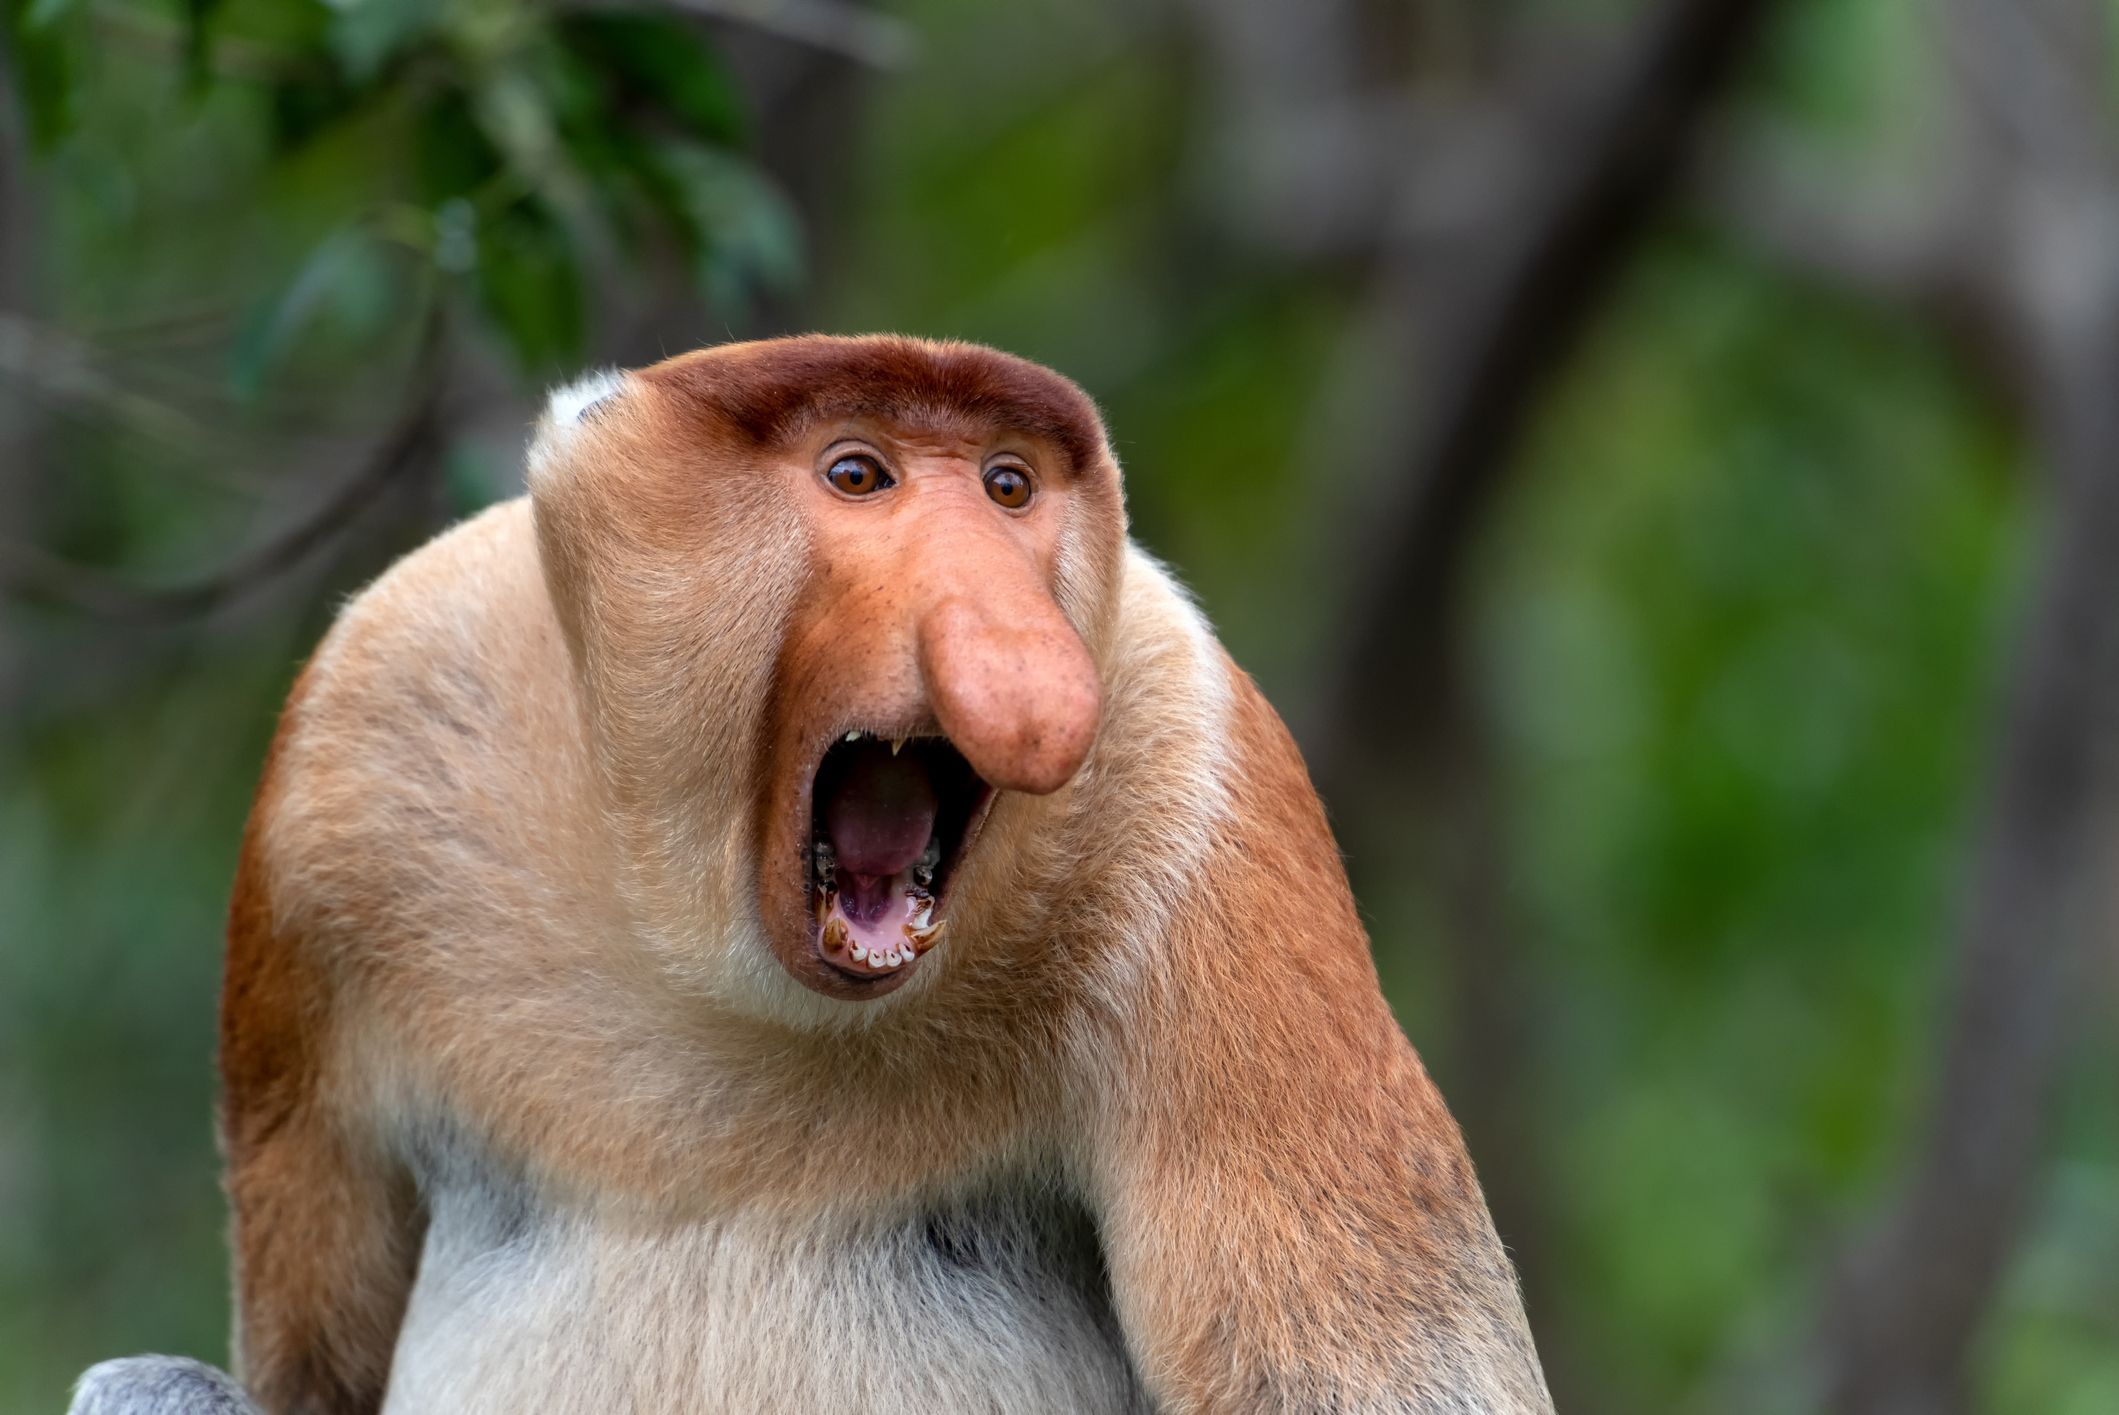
{"x":890,"y":818}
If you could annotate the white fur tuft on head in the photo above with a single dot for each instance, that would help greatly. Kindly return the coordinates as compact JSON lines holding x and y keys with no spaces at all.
{"x":571,"y":402}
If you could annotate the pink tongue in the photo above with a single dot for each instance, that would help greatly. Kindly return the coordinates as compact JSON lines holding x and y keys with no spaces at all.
{"x":878,"y":809}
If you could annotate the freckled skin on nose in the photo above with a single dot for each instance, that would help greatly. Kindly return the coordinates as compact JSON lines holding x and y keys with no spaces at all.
{"x":1013,"y":685}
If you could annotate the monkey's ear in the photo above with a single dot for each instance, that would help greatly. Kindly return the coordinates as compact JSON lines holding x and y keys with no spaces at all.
{"x":570,"y":408}
{"x":575,"y":403}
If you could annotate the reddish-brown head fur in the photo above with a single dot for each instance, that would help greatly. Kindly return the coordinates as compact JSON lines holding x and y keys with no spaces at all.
{"x":714,"y":582}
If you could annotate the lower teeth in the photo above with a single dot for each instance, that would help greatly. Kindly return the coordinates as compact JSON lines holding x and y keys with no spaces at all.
{"x":921,"y":932}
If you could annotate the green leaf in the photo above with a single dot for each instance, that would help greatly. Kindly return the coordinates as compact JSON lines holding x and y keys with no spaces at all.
{"x":510,"y":104}
{"x":367,"y":34}
{"x":660,"y":63}
{"x":198,"y":39}
{"x":347,"y":274}
{"x":452,"y":157}
{"x":750,"y":237}
{"x":288,"y":32}
{"x":303,"y":111}
{"x":635,"y":193}
{"x":43,"y":72}
{"x":529,"y":285}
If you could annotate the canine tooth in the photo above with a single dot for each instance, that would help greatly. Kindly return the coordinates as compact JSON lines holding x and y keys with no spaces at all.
{"x":853,"y":736}
{"x":897,"y":744}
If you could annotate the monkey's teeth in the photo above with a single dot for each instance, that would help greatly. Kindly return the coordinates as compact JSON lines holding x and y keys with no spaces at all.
{"x":897,"y":744}
{"x":925,"y":937}
{"x":853,"y":736}
{"x":860,"y":953}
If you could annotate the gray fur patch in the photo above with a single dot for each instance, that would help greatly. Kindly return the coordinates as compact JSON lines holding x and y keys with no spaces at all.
{"x":158,"y":1385}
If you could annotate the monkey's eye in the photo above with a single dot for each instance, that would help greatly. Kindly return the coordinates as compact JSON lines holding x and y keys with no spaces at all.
{"x":1008,"y":486}
{"x":858,"y":476}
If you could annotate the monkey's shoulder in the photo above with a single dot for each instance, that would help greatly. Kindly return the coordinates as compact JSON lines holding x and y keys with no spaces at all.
{"x":425,"y":746}
{"x":451,"y":641}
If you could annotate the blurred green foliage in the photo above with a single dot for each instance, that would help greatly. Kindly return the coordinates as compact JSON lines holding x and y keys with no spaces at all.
{"x":363,"y":153}
{"x":1740,"y":626}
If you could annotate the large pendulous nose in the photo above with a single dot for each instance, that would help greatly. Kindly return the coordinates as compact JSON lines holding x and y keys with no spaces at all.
{"x":1011,"y":681}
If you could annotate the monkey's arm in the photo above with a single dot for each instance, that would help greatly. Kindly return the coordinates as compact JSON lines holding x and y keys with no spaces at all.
{"x":326,"y":1226}
{"x":1290,"y":1217}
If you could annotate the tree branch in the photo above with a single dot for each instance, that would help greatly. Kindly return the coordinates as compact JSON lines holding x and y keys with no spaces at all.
{"x":1853,"y":229}
{"x":1913,"y":1299}
{"x":850,"y":31}
{"x":1910,"y":1302}
{"x":1560,"y":256}
{"x":1545,"y":214}
{"x":33,"y":573}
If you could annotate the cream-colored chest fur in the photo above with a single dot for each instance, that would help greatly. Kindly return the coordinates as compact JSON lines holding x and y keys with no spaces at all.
{"x":995,"y":1303}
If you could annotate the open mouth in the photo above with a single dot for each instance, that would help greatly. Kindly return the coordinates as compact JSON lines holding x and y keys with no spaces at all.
{"x":889,"y":819}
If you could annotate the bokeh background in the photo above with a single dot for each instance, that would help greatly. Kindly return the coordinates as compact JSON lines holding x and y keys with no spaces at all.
{"x":1661,"y":455}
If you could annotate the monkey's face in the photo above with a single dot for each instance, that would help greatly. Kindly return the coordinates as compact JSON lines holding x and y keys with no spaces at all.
{"x":902,"y":556}
{"x":928,"y":664}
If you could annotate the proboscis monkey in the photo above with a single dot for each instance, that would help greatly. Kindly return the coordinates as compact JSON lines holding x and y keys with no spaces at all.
{"x":799,"y":914}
